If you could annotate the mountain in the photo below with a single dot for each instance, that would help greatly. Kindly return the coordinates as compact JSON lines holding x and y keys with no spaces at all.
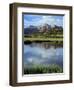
{"x":31,"y":30}
{"x":41,"y":28}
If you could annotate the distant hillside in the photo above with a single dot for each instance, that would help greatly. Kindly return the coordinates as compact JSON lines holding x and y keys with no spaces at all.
{"x":42,"y":28}
{"x":31,"y":30}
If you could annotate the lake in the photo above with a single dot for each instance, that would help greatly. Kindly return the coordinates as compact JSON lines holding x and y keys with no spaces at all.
{"x":42,"y":54}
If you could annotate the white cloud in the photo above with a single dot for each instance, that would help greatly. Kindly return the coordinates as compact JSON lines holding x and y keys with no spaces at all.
{"x":45,"y":19}
{"x":30,"y":60}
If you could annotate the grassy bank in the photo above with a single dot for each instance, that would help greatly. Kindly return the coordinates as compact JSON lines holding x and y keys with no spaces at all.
{"x":37,"y":69}
{"x":43,"y":39}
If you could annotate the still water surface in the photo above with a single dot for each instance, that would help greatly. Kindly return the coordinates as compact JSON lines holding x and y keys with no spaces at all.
{"x":37,"y":53}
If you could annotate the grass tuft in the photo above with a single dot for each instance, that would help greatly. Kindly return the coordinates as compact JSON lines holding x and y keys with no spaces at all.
{"x":38,"y":69}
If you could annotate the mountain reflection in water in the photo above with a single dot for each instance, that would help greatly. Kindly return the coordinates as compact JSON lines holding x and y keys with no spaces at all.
{"x":42,"y":53}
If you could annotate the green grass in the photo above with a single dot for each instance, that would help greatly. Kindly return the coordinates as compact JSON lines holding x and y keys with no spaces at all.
{"x":37,"y":69}
{"x":42,"y":39}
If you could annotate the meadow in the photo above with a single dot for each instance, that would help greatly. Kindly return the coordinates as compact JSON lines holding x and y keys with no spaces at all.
{"x":43,"y":39}
{"x":38,"y":69}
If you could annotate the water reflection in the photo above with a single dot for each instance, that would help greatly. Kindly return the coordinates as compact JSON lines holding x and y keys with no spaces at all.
{"x":43,"y":53}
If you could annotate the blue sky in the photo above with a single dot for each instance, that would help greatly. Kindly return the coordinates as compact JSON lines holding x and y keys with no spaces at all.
{"x":42,"y":19}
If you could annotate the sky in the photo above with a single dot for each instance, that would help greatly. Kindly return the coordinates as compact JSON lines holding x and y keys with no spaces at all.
{"x":36,"y":20}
